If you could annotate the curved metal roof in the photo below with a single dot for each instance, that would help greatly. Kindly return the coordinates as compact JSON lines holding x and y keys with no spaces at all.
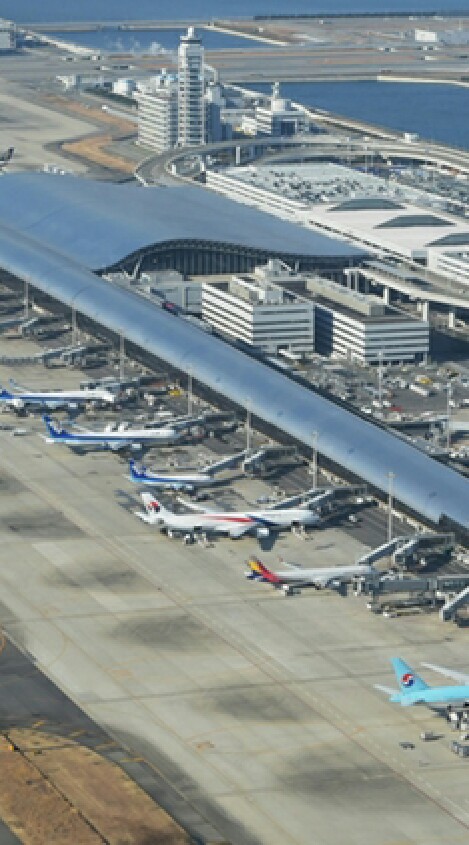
{"x":101,"y":223}
{"x":426,"y":486}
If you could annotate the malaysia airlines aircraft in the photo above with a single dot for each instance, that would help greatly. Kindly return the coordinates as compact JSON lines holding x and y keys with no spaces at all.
{"x":414,"y":690}
{"x":235,"y":524}
{"x":121,"y":438}
{"x":291,"y":580}
{"x":186,"y":481}
{"x":21,"y":397}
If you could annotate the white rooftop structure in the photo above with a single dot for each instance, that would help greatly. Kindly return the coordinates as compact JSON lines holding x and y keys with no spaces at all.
{"x":359,"y":207}
{"x":260,"y":313}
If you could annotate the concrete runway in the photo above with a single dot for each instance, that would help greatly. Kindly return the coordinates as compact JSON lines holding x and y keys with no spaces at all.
{"x":257,"y":713}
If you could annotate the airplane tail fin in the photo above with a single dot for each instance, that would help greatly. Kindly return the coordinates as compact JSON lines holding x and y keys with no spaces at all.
{"x":153,"y":507}
{"x":54,"y":431}
{"x":259,"y":572}
{"x":137,"y":473}
{"x":408,"y":680}
{"x":5,"y":394}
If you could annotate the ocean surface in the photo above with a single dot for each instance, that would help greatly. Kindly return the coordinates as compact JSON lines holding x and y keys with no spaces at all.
{"x":435,"y":112}
{"x":109,"y":10}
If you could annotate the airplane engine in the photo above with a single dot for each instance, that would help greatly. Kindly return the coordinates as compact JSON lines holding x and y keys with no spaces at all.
{"x":290,"y":590}
{"x":262,"y":532}
{"x":18,"y":404}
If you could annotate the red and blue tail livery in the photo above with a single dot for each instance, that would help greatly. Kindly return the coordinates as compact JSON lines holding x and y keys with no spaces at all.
{"x":414,"y":690}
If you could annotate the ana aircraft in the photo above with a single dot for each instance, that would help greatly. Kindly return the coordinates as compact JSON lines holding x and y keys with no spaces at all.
{"x":21,"y":397}
{"x":186,"y":481}
{"x":235,"y":524}
{"x":291,"y":580}
{"x":121,"y":438}
{"x":414,"y":690}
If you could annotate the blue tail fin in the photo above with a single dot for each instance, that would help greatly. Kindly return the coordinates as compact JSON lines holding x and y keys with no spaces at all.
{"x":51,"y":427}
{"x":135,"y":473}
{"x":408,"y":680}
{"x":5,"y":394}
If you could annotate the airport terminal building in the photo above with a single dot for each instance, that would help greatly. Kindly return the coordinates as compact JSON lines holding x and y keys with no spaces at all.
{"x":104,"y":226}
{"x":55,"y":231}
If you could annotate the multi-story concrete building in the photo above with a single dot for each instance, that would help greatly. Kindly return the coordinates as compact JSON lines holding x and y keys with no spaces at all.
{"x":451,"y":263}
{"x":191,"y":131}
{"x":158,"y":114}
{"x":215,"y":103}
{"x":260,"y":314}
{"x":7,"y":35}
{"x":363,"y":328}
{"x":279,"y":118}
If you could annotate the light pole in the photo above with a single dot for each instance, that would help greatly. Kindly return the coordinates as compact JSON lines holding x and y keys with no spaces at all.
{"x":248,"y":426}
{"x":449,"y":395}
{"x":121,"y":357}
{"x":391,"y":477}
{"x":26,"y":300}
{"x":189,"y":392}
{"x":380,"y":380}
{"x":74,"y":327}
{"x":314,"y":463}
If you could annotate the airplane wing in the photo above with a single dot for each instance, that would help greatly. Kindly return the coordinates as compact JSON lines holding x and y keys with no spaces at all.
{"x":72,"y":424}
{"x":450,"y":673}
{"x":296,"y":567}
{"x":224,"y":463}
{"x":303,"y":500}
{"x":118,"y":445}
{"x":197,"y":508}
{"x":236,"y":531}
{"x":387,"y":690}
{"x":292,"y":501}
{"x":21,"y":387}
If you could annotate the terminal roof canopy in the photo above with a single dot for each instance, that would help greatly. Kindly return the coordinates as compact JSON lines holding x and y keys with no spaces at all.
{"x":98,"y":224}
{"x":364,"y":449}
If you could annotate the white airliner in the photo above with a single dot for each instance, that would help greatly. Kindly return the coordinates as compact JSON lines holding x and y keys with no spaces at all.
{"x":235,"y":524}
{"x":186,"y":481}
{"x":20,"y":397}
{"x":291,"y":580}
{"x":121,"y":438}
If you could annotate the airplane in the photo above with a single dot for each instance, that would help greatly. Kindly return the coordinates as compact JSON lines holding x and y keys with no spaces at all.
{"x":53,"y":399}
{"x":120,"y":438}
{"x":187,"y":481}
{"x":235,"y":524}
{"x":6,"y":156}
{"x":291,"y":580}
{"x":414,"y":690}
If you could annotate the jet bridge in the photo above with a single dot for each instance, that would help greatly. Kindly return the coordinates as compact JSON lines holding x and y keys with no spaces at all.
{"x":66,"y":353}
{"x":405,"y":550}
{"x":448,"y":611}
{"x":451,"y":590}
{"x":386,"y":550}
{"x":415,"y":549}
{"x":324,"y":499}
{"x":268,"y":458}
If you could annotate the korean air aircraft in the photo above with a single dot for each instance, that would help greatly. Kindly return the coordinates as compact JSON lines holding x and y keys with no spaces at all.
{"x":121,"y":438}
{"x":186,"y":481}
{"x":291,"y":580}
{"x":414,"y":690}
{"x":20,"y":397}
{"x":235,"y":524}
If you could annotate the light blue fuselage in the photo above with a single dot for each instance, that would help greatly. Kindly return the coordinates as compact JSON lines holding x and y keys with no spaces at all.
{"x":433,"y":696}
